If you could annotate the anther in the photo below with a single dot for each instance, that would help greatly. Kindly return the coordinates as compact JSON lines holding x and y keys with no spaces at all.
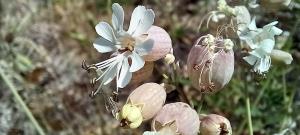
{"x":196,"y":66}
{"x":115,"y":96}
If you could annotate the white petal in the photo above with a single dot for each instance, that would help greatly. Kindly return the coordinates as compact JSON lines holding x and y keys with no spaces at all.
{"x":125,"y":75}
{"x":136,"y":16}
{"x":112,"y":70}
{"x":258,"y":53}
{"x":105,"y":31}
{"x":145,"y":24}
{"x":264,"y":48}
{"x":110,"y":73}
{"x":250,"y":59}
{"x":137,"y":62}
{"x":243,"y":18}
{"x":276,"y":31}
{"x":272,"y":24}
{"x":271,"y":29}
{"x":141,"y":21}
{"x":267,"y":45}
{"x":145,"y":47}
{"x":264,"y":64}
{"x":102,"y":45}
{"x":252,"y":25}
{"x":117,"y":17}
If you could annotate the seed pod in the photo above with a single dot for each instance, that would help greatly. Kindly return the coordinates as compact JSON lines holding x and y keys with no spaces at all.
{"x":213,"y":124}
{"x":279,"y":56}
{"x":142,"y":104}
{"x":176,"y":118}
{"x":162,"y":44}
{"x":211,"y":63}
{"x":143,"y":74}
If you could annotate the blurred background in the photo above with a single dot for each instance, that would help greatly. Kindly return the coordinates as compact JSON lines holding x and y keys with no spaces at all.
{"x":43,"y":43}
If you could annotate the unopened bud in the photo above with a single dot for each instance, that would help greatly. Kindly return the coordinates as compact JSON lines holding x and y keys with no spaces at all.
{"x":169,"y":59}
{"x":176,"y":118}
{"x":142,"y":104}
{"x":224,"y":7}
{"x":213,"y":124}
{"x":274,"y":5}
{"x":150,"y":96}
{"x":162,"y":44}
{"x":228,"y":44}
{"x":281,"y":57}
{"x":131,"y":115}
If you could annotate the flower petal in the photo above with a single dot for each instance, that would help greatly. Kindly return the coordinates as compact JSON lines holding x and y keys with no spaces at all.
{"x":112,"y":70}
{"x":136,"y":16}
{"x":125,"y":75}
{"x":137,"y":62}
{"x":141,"y":21}
{"x":117,"y":17}
{"x":243,"y":18}
{"x":252,"y":25}
{"x":105,"y":31}
{"x":102,"y":45}
{"x":110,"y":74}
{"x":267,"y":45}
{"x":263,"y":65}
{"x":250,"y":59}
{"x":145,"y":47}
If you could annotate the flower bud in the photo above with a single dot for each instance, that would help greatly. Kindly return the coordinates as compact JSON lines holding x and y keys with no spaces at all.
{"x":162,"y":44}
{"x":176,"y":118}
{"x":211,"y":63}
{"x":142,"y":104}
{"x":151,"y":96}
{"x":169,"y":59}
{"x":279,"y":56}
{"x":274,"y":5}
{"x":131,"y":115}
{"x":213,"y":124}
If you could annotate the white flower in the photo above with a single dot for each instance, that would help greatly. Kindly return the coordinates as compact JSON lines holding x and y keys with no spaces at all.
{"x":262,"y":42}
{"x":129,"y":46}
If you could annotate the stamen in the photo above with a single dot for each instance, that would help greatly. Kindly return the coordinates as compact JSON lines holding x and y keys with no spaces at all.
{"x":106,"y":61}
{"x":108,"y":69}
{"x":127,"y":43}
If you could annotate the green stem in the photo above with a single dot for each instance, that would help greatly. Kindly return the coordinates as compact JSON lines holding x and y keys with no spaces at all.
{"x":257,"y":100}
{"x":249,"y":115}
{"x":21,"y":102}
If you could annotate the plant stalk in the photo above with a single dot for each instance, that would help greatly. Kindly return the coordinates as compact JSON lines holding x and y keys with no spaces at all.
{"x":249,"y":115}
{"x":19,"y":100}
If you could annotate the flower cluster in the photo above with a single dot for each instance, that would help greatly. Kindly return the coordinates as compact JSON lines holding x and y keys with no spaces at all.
{"x":210,"y":66}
